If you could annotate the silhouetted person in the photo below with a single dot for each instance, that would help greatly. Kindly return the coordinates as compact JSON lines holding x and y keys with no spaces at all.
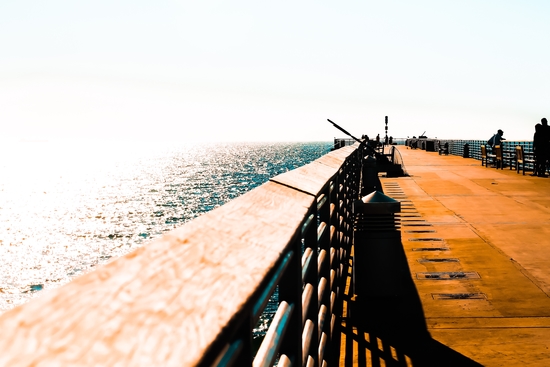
{"x":545,"y":141}
{"x":496,"y":139}
{"x":386,"y":140}
{"x":540,"y":141}
{"x":377,"y":139}
{"x":391,"y":140}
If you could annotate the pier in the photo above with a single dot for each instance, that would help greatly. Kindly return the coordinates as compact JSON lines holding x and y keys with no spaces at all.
{"x":477,"y":281}
{"x":473,"y":286}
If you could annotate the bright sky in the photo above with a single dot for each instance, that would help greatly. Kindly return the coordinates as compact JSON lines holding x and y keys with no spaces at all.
{"x":259,"y":70}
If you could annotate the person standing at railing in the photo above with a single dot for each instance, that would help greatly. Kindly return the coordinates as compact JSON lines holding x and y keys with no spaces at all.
{"x":539,"y":150}
{"x":496,"y":139}
{"x":414,"y":143}
{"x":545,"y":146}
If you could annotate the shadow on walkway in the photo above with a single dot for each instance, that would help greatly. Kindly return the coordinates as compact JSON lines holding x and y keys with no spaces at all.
{"x":390,"y":331}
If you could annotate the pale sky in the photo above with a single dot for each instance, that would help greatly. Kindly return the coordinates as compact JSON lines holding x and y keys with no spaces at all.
{"x":258,"y":70}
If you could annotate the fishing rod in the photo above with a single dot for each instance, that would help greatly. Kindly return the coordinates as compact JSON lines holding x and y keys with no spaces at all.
{"x":362,"y":143}
{"x":344,"y":131}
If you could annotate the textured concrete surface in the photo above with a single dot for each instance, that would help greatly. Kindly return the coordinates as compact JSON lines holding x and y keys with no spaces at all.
{"x":493,"y":225}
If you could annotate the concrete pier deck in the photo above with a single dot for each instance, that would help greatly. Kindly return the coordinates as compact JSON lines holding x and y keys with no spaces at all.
{"x":488,"y":232}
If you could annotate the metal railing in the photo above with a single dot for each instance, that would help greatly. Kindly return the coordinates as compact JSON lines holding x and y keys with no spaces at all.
{"x":395,"y":158}
{"x":457,"y":147}
{"x":310,"y":285}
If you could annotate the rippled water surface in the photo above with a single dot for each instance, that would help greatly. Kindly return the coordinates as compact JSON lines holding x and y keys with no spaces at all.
{"x":66,"y":208}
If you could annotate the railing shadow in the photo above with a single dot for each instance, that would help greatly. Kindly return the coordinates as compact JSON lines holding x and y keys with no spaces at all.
{"x":391,"y":331}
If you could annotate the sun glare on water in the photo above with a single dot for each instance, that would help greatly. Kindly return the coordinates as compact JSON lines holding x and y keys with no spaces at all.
{"x":67,"y":207}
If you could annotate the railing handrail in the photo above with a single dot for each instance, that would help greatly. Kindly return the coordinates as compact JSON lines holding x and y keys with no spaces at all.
{"x":192,"y":297}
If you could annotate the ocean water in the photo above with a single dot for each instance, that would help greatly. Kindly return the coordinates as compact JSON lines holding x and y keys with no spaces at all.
{"x":69,"y":207}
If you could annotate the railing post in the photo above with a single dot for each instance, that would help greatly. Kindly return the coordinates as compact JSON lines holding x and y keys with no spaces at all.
{"x":290,"y":290}
{"x":340,"y":254}
{"x":311,"y":324}
{"x":334,"y":252}
{"x":324,"y":309}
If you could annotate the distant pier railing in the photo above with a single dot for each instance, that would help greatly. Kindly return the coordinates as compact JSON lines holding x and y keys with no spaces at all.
{"x":457,"y":147}
{"x":194,"y":296}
